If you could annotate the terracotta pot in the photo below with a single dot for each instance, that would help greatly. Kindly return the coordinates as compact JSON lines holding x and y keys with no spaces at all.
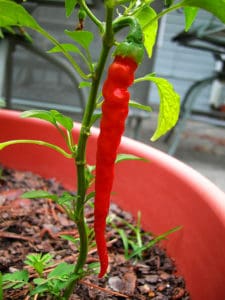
{"x":166,"y":191}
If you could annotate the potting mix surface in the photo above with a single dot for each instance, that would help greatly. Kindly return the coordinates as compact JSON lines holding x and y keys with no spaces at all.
{"x":36,"y":226}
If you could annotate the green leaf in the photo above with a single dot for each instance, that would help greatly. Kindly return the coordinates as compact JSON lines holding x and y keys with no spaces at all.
{"x":65,"y":47}
{"x":157,"y":239}
{"x":39,"y":114}
{"x":39,"y":261}
{"x":15,"y":280}
{"x":190,"y":15}
{"x":13,"y":14}
{"x":62,"y":48}
{"x":95,"y":117}
{"x":169,"y":108}
{"x":149,"y":28}
{"x":83,"y":38}
{"x":164,"y":235}
{"x":139,"y":106}
{"x":216,"y":7}
{"x":39,"y":194}
{"x":69,"y":6}
{"x":66,"y":199}
{"x":63,"y":269}
{"x":90,"y":196}
{"x":94,"y":267}
{"x":39,"y":258}
{"x":65,"y":121}
{"x":40,"y":288}
{"x":39,"y":281}
{"x":52,"y":116}
{"x":125,"y":241}
{"x":121,"y":157}
{"x":70,"y":238}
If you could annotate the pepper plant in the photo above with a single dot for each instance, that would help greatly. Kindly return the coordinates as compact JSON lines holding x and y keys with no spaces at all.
{"x":114,"y":99}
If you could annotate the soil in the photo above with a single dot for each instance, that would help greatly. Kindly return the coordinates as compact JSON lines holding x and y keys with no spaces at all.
{"x":35,"y":226}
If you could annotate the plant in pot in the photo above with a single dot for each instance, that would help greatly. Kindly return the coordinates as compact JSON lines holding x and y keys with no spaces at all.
{"x":95,"y":173}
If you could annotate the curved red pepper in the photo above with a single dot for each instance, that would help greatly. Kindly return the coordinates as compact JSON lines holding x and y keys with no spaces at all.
{"x":114,"y":113}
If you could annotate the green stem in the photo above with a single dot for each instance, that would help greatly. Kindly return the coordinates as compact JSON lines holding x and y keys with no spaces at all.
{"x":70,"y":142}
{"x":164,"y":12}
{"x":66,"y":54}
{"x":1,"y":288}
{"x":135,"y":28}
{"x":91,"y":15}
{"x":36,"y":142}
{"x":108,"y":40}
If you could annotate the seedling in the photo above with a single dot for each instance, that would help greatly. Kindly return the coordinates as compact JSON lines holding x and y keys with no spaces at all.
{"x":135,"y":244}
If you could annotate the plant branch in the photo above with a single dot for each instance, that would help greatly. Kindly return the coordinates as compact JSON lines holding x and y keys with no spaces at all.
{"x":36,"y":142}
{"x":91,"y":15}
{"x":164,"y":12}
{"x":65,"y":53}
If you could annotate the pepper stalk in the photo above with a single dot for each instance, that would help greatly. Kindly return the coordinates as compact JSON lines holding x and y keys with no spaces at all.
{"x":107,"y":43}
{"x":132,"y":46}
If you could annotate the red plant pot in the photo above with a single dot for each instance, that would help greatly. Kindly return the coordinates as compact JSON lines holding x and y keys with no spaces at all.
{"x":167,"y":192}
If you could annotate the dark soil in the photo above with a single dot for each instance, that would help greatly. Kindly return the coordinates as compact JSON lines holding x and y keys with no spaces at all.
{"x":34,"y":226}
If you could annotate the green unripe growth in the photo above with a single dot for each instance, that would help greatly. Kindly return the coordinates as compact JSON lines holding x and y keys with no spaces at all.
{"x":81,"y":14}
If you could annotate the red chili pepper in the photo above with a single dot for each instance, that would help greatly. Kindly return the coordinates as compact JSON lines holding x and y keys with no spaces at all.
{"x":114,"y":113}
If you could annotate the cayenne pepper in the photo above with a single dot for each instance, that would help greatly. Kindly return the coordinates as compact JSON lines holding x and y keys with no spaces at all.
{"x":114,"y":112}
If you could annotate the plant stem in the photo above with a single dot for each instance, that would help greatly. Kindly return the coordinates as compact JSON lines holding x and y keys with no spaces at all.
{"x":164,"y":12}
{"x":1,"y":289}
{"x":36,"y":142}
{"x":65,"y":53}
{"x":92,"y":16}
{"x":108,"y":40}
